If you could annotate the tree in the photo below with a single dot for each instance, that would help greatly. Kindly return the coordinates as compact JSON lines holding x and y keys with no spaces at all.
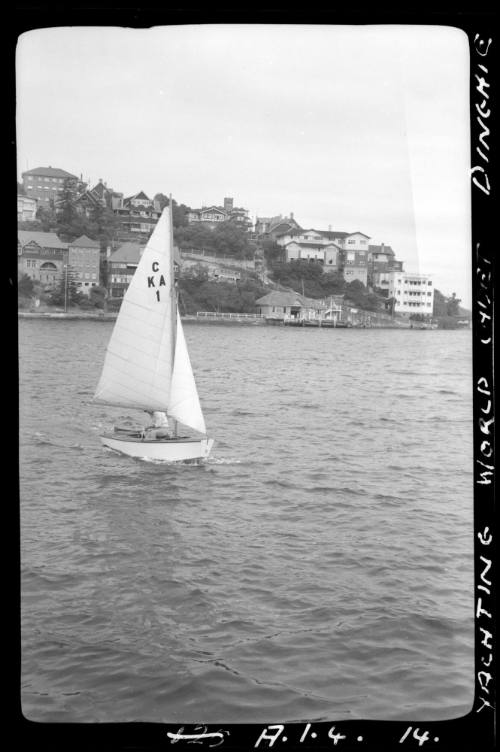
{"x":47,"y":217}
{"x":231,"y":240}
{"x":162,"y":200}
{"x":452,"y":305}
{"x":25,"y":286}
{"x":67,"y":211}
{"x":102,"y":224}
{"x":390,"y":305}
{"x":66,"y":292}
{"x":98,"y":296}
{"x":332,"y":283}
{"x":196,"y":235}
{"x":70,"y":224}
{"x":179,"y":211}
{"x":272,"y":251}
{"x":440,"y":304}
{"x":180,"y":214}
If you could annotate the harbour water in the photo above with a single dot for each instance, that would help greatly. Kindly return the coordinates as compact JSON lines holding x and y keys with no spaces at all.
{"x":317,"y":567}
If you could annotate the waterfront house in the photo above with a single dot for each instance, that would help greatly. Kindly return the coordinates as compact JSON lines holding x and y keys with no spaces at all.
{"x":121,"y":266}
{"x":138,"y":215}
{"x":41,"y":255}
{"x":335,"y":250}
{"x":215,"y":269}
{"x":45,"y":183}
{"x":412,"y":293}
{"x":325,"y":253}
{"x":381,"y":261}
{"x":288,"y":304}
{"x":271,"y":228}
{"x":210,"y":215}
{"x":26,"y":208}
{"x":100,"y":195}
{"x":334,"y":236}
{"x":354,"y":263}
{"x":316,"y":236}
{"x":83,"y":260}
{"x":213,"y":215}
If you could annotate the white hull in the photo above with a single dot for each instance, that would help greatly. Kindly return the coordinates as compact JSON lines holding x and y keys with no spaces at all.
{"x":167,"y":450}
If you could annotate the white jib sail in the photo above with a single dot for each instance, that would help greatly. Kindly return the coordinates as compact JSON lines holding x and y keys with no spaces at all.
{"x":138,"y":366}
{"x":184,"y":404}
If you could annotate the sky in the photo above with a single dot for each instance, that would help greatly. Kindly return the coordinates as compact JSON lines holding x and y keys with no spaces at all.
{"x":347,"y":127}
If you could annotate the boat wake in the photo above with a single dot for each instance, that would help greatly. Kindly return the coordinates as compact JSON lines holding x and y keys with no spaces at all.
{"x":153,"y":461}
{"x":223,"y":461}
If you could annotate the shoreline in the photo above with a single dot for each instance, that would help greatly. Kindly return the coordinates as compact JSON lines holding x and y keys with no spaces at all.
{"x":236,"y":321}
{"x":112,"y":316}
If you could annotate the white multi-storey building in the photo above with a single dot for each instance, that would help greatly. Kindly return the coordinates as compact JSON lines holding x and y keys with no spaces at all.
{"x":413,"y":293}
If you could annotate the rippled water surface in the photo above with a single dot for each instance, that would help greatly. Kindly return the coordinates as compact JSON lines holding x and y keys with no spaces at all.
{"x":318,"y":566}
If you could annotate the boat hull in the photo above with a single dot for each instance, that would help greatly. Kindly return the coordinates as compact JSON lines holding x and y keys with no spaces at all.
{"x":165,"y":450}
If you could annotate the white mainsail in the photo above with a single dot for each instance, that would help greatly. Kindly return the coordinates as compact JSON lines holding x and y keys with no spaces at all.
{"x":145,"y":367}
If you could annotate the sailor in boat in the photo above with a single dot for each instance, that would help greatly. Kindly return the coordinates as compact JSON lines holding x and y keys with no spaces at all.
{"x":159,"y":428}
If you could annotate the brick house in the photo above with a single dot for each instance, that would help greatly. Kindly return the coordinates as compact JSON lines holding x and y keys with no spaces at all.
{"x":41,"y":255}
{"x":122,"y":265}
{"x":46,"y":183}
{"x":83,"y":261}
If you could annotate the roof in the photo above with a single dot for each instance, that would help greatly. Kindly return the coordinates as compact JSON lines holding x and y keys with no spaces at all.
{"x":52,"y":172}
{"x":271,"y":219}
{"x":330,"y":234}
{"x":311,"y":244}
{"x":128,"y":252}
{"x":131,"y":253}
{"x":99,"y":189}
{"x":211,"y":208}
{"x":43,"y":239}
{"x":84,"y":242}
{"x":357,"y":232}
{"x":285,"y":225}
{"x":140,"y":195}
{"x":279,"y":298}
{"x":89,"y":195}
{"x":381,"y":249}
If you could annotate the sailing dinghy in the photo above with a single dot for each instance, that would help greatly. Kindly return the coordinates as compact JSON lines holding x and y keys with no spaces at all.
{"x":147,"y":364}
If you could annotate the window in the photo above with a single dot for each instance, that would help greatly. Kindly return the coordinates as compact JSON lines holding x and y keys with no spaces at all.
{"x":351,"y":242}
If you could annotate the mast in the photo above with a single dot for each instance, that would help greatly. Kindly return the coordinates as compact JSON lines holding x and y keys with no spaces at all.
{"x":173,"y":292}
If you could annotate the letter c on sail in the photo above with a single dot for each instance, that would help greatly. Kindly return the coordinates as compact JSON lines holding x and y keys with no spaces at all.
{"x":155,"y":266}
